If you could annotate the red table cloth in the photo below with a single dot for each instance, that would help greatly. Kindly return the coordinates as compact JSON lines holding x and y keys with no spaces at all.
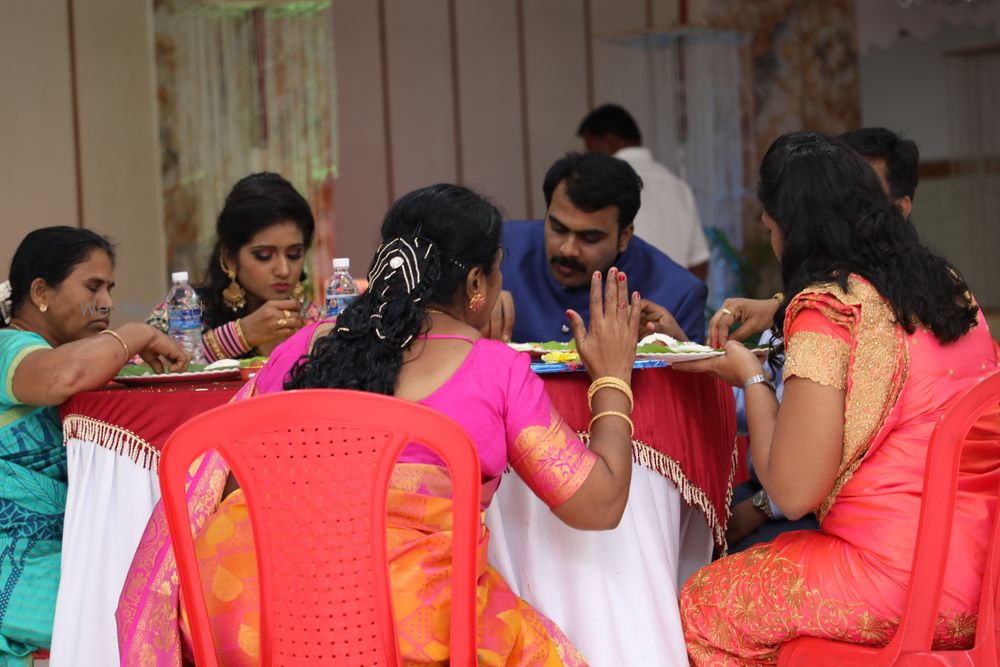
{"x":685,"y":426}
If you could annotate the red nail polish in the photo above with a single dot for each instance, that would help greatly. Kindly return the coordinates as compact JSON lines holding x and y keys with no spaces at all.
{"x":597,"y":274}
{"x":621,"y":277}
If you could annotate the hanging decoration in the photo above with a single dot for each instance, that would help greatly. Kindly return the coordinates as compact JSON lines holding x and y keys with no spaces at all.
{"x":244,"y":86}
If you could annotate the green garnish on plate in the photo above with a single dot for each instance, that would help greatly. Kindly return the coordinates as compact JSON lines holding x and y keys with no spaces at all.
{"x":138,"y":370}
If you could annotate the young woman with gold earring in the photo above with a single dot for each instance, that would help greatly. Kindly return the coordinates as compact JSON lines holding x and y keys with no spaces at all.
{"x":253,"y":297}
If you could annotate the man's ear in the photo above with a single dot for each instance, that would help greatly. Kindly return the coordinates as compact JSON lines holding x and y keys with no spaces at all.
{"x":624,"y":237}
{"x":904,"y":204}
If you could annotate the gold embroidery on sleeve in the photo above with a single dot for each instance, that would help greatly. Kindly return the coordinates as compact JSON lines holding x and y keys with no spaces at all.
{"x":877,"y":367}
{"x":818,"y":357}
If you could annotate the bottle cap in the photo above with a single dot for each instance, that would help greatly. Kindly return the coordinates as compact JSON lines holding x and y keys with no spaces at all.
{"x":342,"y":263}
{"x":179,"y":276}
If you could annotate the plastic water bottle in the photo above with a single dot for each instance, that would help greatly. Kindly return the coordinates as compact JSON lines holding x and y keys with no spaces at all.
{"x":184,"y":316}
{"x":341,"y":289}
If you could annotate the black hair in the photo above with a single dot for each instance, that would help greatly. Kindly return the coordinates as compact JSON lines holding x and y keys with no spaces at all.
{"x":256,"y":202}
{"x":901,"y":157}
{"x":51,"y":253}
{"x":431,"y":239}
{"x":595,"y":181}
{"x":610,"y":119}
{"x":835,"y":220}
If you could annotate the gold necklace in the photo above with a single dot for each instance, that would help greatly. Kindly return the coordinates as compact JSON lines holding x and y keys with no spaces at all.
{"x":435,"y":310}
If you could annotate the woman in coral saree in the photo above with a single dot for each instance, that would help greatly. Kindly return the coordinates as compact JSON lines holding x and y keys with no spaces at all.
{"x":879,"y":339}
{"x":415,"y":334}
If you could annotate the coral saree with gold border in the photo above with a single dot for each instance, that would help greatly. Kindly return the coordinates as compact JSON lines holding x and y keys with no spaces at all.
{"x":848,"y":580}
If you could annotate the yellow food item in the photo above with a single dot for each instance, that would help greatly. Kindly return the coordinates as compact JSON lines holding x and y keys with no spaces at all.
{"x":561,"y":357}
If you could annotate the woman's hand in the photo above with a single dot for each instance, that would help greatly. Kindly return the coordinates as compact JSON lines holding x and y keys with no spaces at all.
{"x":753,"y":316}
{"x":608,"y":346}
{"x":735,"y":367}
{"x":164,"y":354}
{"x":273,"y":322}
{"x":657,"y":319}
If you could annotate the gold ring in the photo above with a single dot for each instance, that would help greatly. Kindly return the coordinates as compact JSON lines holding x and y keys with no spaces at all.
{"x":282,"y":322}
{"x":286,"y":314}
{"x":728,"y":312}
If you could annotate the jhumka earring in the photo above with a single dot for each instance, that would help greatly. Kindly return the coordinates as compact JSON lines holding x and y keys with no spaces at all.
{"x":299,"y":292}
{"x":477,"y":302}
{"x":234,"y":295}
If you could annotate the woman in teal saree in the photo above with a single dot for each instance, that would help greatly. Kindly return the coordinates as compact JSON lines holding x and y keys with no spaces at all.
{"x":56,"y":303}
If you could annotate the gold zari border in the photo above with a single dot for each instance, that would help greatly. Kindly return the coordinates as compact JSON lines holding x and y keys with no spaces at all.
{"x":877,"y":369}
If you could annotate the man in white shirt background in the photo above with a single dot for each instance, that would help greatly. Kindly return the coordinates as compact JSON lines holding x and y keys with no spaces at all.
{"x":668,"y":218}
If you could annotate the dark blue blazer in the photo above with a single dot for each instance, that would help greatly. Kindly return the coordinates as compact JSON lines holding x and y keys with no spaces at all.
{"x":541,"y":302}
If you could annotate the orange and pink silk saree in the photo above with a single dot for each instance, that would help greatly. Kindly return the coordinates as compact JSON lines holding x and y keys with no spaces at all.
{"x":848,"y":580}
{"x":502,"y":404}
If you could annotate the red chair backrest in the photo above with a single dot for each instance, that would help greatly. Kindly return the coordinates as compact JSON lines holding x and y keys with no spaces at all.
{"x":315,"y":467}
{"x":944,"y":453}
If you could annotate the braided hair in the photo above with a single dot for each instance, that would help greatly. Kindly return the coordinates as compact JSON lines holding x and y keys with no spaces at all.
{"x":431,"y":239}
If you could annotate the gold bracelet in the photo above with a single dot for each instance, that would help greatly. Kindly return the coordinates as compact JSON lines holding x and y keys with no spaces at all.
{"x":120,"y":340}
{"x":779,"y":297}
{"x":212,"y":341}
{"x":613,"y":413}
{"x":609,"y":382}
{"x":239,"y":334}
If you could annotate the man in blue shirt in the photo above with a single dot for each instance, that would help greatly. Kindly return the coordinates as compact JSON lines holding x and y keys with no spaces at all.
{"x":591,"y":200}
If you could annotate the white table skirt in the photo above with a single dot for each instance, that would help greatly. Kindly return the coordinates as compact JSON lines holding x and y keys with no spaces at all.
{"x":110,"y":499}
{"x":613,"y":593}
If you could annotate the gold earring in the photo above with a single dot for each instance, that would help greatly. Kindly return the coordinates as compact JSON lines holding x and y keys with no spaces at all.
{"x":43,"y":307}
{"x":234,"y":295}
{"x":477,"y":302}
{"x":299,"y":292}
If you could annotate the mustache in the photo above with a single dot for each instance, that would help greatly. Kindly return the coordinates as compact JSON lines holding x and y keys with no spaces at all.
{"x":569,"y":263}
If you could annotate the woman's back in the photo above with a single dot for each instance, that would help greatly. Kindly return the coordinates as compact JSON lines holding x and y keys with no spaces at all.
{"x":493,"y":394}
{"x":877,"y":509}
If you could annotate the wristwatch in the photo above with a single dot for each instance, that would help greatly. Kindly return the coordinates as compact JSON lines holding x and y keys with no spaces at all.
{"x":760,"y":378}
{"x":762,"y":504}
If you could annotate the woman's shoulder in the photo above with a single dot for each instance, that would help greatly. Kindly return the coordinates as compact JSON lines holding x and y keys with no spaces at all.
{"x":13,"y":340}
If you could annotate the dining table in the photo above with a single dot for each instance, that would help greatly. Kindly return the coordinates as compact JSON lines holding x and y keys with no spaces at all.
{"x":614,"y":593}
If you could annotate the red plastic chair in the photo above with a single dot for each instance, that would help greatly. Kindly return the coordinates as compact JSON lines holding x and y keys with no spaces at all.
{"x":315,"y":468}
{"x":911,"y":644}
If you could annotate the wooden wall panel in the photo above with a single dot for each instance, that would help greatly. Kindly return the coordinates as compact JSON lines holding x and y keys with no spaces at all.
{"x":490,"y":103}
{"x":421,"y":92}
{"x":555,"y":52}
{"x":37,"y":169}
{"x":362,"y":189}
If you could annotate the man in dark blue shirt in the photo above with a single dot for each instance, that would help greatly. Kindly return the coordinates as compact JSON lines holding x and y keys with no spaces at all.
{"x":591,"y":201}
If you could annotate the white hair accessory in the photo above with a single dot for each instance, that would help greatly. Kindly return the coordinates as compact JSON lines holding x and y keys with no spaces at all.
{"x":6,"y":304}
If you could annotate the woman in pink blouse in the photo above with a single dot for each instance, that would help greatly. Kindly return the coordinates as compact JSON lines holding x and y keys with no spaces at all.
{"x":253,"y":297}
{"x":415,"y":334}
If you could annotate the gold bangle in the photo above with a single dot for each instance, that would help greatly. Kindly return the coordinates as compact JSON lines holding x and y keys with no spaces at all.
{"x":609,"y":382}
{"x":212,"y":341}
{"x":239,"y":334}
{"x":120,"y":340}
{"x":613,"y":413}
{"x":779,"y":297}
